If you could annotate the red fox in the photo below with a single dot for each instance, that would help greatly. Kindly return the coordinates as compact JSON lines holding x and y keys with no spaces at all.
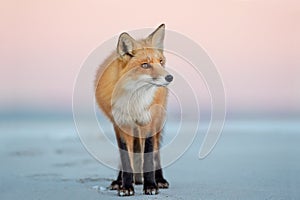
{"x":131,"y":90}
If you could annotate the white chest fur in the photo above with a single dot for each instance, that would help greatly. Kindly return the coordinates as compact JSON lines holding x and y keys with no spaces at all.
{"x":130,"y":104}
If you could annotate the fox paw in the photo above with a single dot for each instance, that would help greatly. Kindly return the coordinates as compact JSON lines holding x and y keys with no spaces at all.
{"x":126,"y":191}
{"x":115,"y":185}
{"x":150,"y":189}
{"x":162,"y":183}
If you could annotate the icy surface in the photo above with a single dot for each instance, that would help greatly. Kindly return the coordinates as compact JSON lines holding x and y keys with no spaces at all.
{"x":254,"y":159}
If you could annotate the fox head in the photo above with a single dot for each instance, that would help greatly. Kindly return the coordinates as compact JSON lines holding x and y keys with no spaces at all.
{"x":143,"y":60}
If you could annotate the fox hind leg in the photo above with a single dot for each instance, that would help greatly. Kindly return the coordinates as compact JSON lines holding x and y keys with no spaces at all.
{"x":138,"y":158}
{"x":116,"y":184}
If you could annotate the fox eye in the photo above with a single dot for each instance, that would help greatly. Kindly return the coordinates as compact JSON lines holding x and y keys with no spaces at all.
{"x":161,"y":61}
{"x":145,"y":65}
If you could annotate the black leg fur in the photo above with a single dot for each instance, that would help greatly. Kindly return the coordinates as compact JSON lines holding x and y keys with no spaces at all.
{"x":159,"y":178}
{"x":138,"y":177}
{"x":116,"y":184}
{"x":150,"y":186}
{"x":126,"y":188}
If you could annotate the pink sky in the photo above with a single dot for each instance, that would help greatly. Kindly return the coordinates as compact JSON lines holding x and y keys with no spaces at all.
{"x":254,"y":44}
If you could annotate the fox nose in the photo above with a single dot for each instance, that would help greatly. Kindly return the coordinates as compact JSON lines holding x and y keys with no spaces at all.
{"x":169,"y":78}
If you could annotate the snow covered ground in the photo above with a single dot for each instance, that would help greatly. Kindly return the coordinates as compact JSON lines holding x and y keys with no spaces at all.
{"x":254,"y":159}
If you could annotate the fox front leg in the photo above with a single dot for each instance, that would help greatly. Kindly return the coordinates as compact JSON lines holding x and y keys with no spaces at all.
{"x":125,"y":143}
{"x":150,"y":186}
{"x":159,"y":178}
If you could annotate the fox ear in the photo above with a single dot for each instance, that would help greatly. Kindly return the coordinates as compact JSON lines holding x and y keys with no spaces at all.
{"x":126,"y":44}
{"x":157,"y":37}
